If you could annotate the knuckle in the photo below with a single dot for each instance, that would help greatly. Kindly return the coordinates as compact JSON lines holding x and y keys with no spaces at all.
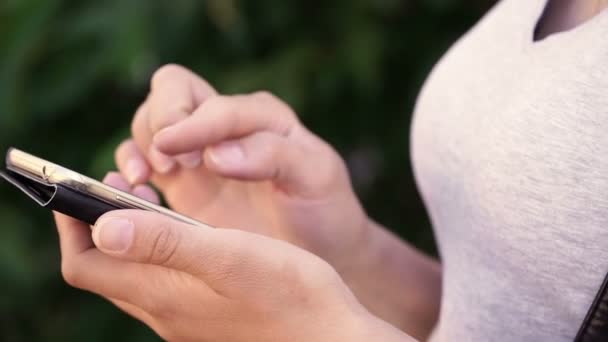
{"x":138,"y":125}
{"x":218,"y":103}
{"x":71,"y":274}
{"x":167,"y":333}
{"x":164,"y":245}
{"x":313,"y":275}
{"x":264,"y":96}
{"x":164,"y":118}
{"x":222,"y":109}
{"x":165,"y":73}
{"x":282,"y":117}
{"x":164,"y":115}
{"x":122,"y":150}
{"x":135,"y":124}
{"x":158,"y":308}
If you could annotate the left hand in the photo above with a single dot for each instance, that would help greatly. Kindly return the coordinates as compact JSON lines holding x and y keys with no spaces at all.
{"x":246,"y":162}
{"x":194,"y":284}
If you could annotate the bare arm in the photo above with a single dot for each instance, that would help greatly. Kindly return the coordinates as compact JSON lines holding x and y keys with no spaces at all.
{"x":266,"y":173}
{"x":396,"y":282}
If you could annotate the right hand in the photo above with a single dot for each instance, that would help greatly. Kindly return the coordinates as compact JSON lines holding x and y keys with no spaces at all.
{"x":196,"y":284}
{"x":261,"y":171}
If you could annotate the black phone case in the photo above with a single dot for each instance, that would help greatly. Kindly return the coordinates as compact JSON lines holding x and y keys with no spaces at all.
{"x":65,"y":200}
{"x":595,"y":324}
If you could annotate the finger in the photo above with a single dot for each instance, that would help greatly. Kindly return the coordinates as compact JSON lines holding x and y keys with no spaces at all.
{"x":133,"y":310}
{"x":175,"y":93}
{"x":77,"y":245}
{"x":226,"y":117}
{"x":142,"y":136}
{"x":267,"y":156}
{"x":117,"y":181}
{"x":152,"y":289}
{"x":227,"y":260}
{"x":94,"y":271}
{"x":74,"y":236}
{"x":146,"y":192}
{"x":132,"y":163}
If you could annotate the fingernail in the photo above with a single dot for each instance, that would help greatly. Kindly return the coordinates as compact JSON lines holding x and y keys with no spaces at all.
{"x":135,"y":170}
{"x":190,"y":160}
{"x":161,"y":162}
{"x":228,"y":153}
{"x":114,"y":234}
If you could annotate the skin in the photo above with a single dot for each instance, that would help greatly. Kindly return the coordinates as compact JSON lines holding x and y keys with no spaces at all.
{"x":193,"y":284}
{"x":247,"y":163}
{"x":308,"y":202}
{"x":563,"y":15}
{"x":266,"y":187}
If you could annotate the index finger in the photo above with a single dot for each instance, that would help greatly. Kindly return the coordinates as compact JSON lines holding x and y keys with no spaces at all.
{"x":175,"y":93}
{"x":227,"y":117}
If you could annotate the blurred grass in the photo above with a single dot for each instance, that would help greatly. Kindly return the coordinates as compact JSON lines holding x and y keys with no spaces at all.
{"x":73,"y":72}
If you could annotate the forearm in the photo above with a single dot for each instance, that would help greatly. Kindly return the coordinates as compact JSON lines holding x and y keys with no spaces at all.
{"x":371,"y":328}
{"x":396,"y":282}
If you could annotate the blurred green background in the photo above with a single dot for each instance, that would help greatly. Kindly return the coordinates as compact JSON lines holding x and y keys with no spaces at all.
{"x":73,"y":72}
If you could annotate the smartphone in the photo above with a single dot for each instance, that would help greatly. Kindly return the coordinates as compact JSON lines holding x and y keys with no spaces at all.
{"x":66,"y":191}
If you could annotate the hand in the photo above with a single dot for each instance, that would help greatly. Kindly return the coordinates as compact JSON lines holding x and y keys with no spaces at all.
{"x":263,"y":171}
{"x":246,"y":162}
{"x":194,"y":284}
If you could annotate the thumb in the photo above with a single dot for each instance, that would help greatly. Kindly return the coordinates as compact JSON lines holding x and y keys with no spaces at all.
{"x":219,"y":257}
{"x":151,"y":238}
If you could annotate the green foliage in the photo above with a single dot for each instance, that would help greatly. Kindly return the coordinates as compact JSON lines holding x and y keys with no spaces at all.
{"x":73,"y":72}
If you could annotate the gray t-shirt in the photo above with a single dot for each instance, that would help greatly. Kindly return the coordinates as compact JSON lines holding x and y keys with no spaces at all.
{"x":510,"y":151}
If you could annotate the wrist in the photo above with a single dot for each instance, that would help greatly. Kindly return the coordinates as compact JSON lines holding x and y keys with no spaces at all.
{"x":367,"y":327}
{"x":394,"y":281}
{"x":355,"y":324}
{"x":366,"y":254}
